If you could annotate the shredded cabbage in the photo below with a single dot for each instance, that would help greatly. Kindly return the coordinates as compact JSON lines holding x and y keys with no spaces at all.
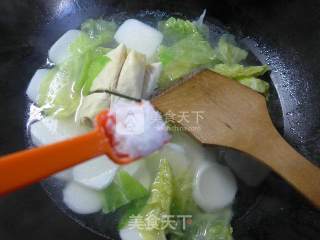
{"x":237,"y":71}
{"x":57,"y":96}
{"x":159,"y":203}
{"x":131,"y":209}
{"x":122,"y":191}
{"x":175,"y":29}
{"x":231,"y":56}
{"x":185,"y":48}
{"x":183,"y":202}
{"x":255,"y":84}
{"x":59,"y":93}
{"x":214,"y":226}
{"x":245,"y":75}
{"x":97,"y":62}
{"x":156,"y":207}
{"x":99,"y":29}
{"x":183,"y":57}
{"x":188,"y":49}
{"x":228,"y":52}
{"x":94,"y":33}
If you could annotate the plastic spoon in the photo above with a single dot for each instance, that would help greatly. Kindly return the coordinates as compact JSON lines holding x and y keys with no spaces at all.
{"x":29,"y":166}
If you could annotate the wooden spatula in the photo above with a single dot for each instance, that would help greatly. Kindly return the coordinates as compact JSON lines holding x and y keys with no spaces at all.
{"x":235,"y":116}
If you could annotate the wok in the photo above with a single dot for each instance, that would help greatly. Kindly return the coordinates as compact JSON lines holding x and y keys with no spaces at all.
{"x":286,"y":36}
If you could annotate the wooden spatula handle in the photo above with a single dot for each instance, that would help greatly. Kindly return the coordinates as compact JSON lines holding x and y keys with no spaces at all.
{"x":273,"y":150}
{"x":237,"y":117}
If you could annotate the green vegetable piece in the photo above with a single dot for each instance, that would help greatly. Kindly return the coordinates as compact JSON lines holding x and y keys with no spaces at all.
{"x":82,"y":44}
{"x":213,"y":226}
{"x":97,"y":60}
{"x":95,"y":33}
{"x":228,"y":52}
{"x":183,"y":57}
{"x":86,"y":57}
{"x":57,"y":96}
{"x":185,"y":49}
{"x":255,"y":84}
{"x":161,"y":190}
{"x":245,"y":75}
{"x":99,"y":28}
{"x":159,"y":203}
{"x":95,"y":68}
{"x":237,"y":71}
{"x":175,"y":29}
{"x":183,"y":202}
{"x":122,"y":191}
{"x":60,"y":91}
{"x":132,"y":209}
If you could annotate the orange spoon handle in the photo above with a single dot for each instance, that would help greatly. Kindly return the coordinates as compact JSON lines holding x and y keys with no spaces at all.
{"x":29,"y":166}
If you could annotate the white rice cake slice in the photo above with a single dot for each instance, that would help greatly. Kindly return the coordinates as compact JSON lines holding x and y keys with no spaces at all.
{"x":51,"y":130}
{"x":97,"y":173}
{"x":59,"y":51}
{"x":34,"y":85}
{"x":81,"y":200}
{"x":139,"y":36}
